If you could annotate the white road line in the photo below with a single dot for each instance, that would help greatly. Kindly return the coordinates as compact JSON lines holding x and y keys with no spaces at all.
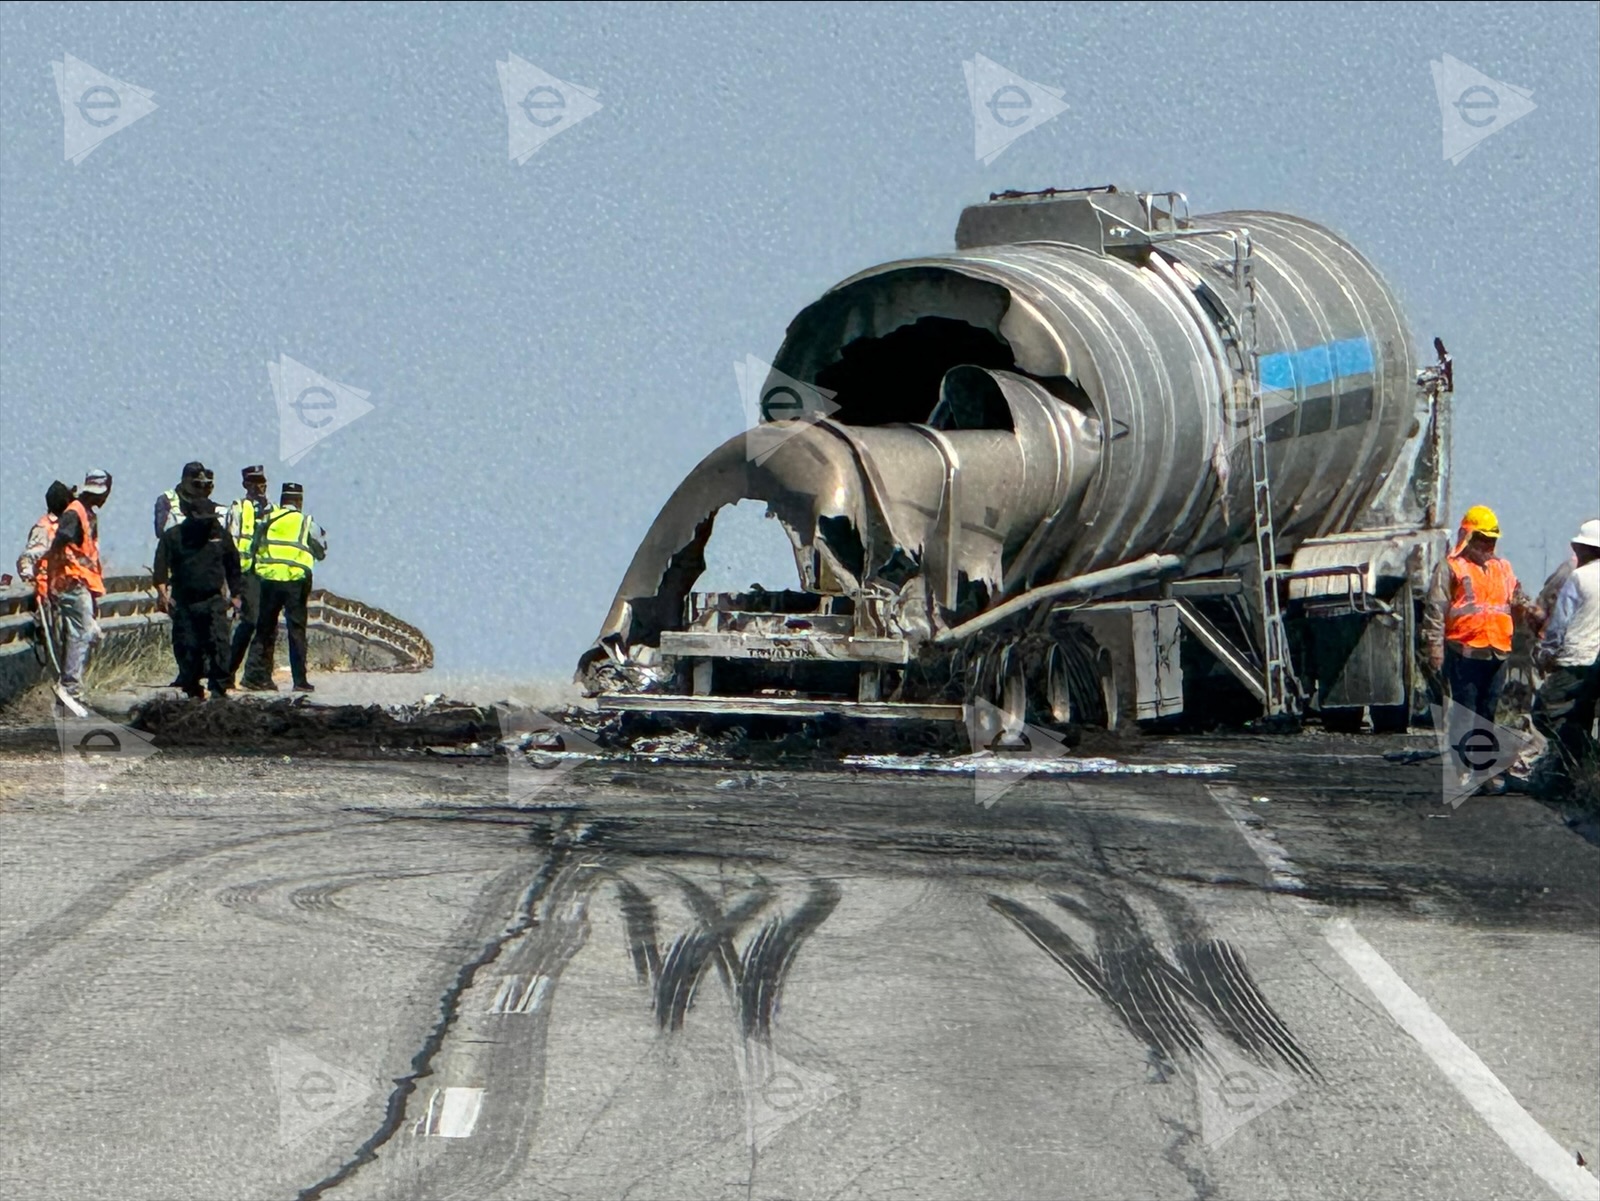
{"x":538,"y":987}
{"x":458,"y":1114}
{"x":1528,"y":1140}
{"x":1285,"y":876}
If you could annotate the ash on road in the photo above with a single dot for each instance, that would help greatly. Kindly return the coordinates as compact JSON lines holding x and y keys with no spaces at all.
{"x":260,"y":977}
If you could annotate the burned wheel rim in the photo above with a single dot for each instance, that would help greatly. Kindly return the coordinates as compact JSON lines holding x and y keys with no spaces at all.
{"x":1058,"y":687}
{"x":1110,"y":702}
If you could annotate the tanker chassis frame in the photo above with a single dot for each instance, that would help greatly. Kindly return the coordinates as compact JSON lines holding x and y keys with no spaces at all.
{"x":1106,"y":655}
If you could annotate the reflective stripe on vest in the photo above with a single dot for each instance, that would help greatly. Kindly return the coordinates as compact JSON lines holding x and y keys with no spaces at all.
{"x":174,"y":509}
{"x":1480,"y":605}
{"x":78,"y":563}
{"x":243,"y":519}
{"x":285,"y":552}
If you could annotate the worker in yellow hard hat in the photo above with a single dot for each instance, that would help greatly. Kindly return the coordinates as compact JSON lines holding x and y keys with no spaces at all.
{"x":1473,"y":603}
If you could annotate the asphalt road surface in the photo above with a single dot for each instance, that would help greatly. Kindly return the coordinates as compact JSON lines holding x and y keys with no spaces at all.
{"x":1299,"y":975}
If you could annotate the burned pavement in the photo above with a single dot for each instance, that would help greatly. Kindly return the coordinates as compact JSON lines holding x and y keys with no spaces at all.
{"x":681,"y":968}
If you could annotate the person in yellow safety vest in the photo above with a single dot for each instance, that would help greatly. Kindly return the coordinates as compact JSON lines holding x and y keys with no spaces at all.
{"x":288,"y":545}
{"x":1473,"y":603}
{"x":194,"y":485}
{"x":246,"y":516}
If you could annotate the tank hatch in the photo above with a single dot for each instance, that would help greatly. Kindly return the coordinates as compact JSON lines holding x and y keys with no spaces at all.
{"x":1104,"y":219}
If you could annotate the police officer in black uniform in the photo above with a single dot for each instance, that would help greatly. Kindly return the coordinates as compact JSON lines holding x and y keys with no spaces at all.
{"x":198,"y":584}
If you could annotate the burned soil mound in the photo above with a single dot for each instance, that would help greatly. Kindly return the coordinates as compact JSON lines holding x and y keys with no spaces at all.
{"x":330,"y":729}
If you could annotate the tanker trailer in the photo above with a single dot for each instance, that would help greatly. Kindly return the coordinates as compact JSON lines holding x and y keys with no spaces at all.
{"x":1104,"y":461}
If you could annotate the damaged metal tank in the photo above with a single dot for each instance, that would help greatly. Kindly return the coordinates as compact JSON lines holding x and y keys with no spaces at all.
{"x":1017,"y":471}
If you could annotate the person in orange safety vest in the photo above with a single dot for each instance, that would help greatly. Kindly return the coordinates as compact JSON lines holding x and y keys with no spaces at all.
{"x":76,"y":584}
{"x":31,"y":564}
{"x":1473,"y":603}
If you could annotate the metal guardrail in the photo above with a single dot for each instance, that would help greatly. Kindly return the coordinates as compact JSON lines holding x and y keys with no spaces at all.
{"x":129,"y":605}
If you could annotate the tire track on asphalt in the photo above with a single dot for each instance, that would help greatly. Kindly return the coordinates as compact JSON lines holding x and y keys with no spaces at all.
{"x":19,"y":952}
{"x":1458,"y":1063}
{"x":523,"y":918}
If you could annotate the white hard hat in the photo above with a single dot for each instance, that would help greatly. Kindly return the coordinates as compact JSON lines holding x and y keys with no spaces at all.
{"x":1588,"y":534}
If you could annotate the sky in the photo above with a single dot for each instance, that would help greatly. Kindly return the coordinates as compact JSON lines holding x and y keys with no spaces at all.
{"x":547,"y":341}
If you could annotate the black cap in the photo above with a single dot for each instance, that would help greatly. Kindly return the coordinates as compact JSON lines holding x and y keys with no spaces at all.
{"x":254,"y":472}
{"x":293,"y":490}
{"x":194,"y":470}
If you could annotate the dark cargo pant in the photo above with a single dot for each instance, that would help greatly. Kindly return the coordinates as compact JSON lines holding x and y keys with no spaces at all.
{"x":1474,"y":683}
{"x":245,"y":627}
{"x":200,"y":645}
{"x":289,"y":598}
{"x":1564,"y":713}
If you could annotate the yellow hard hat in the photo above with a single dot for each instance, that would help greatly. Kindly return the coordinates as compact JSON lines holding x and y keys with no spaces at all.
{"x":1480,"y":519}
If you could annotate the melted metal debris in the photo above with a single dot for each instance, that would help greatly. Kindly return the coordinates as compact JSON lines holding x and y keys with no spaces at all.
{"x":989,"y":763}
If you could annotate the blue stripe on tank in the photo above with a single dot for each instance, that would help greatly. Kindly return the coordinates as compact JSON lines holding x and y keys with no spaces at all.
{"x":1296,"y":370}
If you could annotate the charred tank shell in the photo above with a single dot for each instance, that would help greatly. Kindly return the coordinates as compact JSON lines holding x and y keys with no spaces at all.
{"x":1063,"y":394}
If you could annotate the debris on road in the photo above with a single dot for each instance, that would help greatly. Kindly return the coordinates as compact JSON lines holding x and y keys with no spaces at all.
{"x":329,"y":729}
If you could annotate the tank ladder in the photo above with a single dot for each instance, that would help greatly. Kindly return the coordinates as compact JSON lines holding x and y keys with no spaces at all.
{"x":1282,"y":689}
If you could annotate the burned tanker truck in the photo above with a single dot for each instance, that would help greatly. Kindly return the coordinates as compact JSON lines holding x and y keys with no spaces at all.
{"x":1105,"y":462}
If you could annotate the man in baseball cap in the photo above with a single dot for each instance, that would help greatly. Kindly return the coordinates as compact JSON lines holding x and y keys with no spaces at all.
{"x":1569,"y":649}
{"x":194,"y":485}
{"x":290,"y":544}
{"x":247,"y":519}
{"x":75,"y":579}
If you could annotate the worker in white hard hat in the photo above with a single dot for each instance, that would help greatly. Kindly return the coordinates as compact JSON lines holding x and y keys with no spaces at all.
{"x":1569,"y":650}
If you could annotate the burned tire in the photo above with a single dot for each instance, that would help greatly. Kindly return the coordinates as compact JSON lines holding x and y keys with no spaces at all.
{"x":1110,"y":695}
{"x":1079,"y":685}
{"x":1058,"y":688}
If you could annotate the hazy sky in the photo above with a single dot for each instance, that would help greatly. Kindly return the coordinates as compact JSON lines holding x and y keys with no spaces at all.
{"x":548,"y":347}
